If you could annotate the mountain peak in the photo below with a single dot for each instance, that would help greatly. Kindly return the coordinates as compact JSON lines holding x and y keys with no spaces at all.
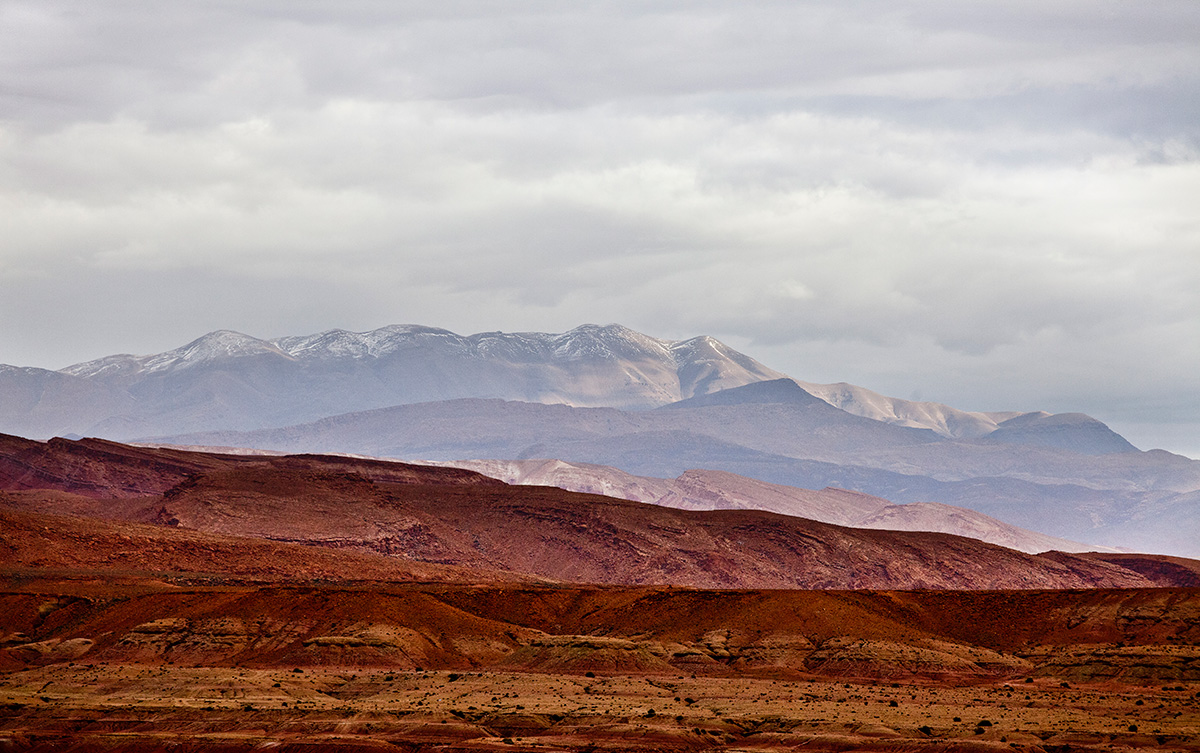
{"x":216,"y":345}
{"x":608,"y":341}
{"x":340,"y":343}
{"x":775,"y":391}
{"x":1067,"y":431}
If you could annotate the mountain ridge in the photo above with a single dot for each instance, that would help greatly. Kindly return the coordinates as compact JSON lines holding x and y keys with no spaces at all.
{"x":459,"y":518}
{"x":938,"y":417}
{"x":229,"y":380}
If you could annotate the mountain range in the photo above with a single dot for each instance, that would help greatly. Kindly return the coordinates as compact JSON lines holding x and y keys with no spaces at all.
{"x":461,"y":519}
{"x":613,"y":397}
{"x":776,"y":432}
{"x":227,"y":380}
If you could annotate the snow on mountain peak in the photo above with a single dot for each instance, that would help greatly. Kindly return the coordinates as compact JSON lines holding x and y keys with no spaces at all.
{"x":612,"y":341}
{"x":695,"y":347}
{"x":608,"y":341}
{"x":106,"y":366}
{"x":217,"y":345}
{"x":340,"y":343}
{"x":589,"y":365}
{"x":222,"y":343}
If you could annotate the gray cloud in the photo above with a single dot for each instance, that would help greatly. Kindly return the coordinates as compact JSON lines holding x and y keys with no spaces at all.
{"x":992,"y":206}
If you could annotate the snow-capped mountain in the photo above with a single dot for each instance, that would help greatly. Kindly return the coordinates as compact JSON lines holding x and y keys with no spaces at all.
{"x":211,"y":348}
{"x":229,"y":380}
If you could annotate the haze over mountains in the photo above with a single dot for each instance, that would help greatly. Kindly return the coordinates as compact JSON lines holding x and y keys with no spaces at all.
{"x":610,"y":396}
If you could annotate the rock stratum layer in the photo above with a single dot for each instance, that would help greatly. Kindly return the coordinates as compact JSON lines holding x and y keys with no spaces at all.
{"x":1129,"y":634}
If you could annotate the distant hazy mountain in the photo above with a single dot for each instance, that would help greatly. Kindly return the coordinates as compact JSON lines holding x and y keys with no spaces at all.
{"x":227,"y":380}
{"x":942,"y":419}
{"x":719,"y":490}
{"x":778,"y":433}
{"x":1068,"y":431}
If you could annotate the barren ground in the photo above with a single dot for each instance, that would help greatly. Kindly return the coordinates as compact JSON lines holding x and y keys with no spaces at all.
{"x":146,"y":706}
{"x":138,"y":665}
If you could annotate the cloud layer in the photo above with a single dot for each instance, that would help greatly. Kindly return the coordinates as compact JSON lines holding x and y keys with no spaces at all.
{"x":988,"y":205}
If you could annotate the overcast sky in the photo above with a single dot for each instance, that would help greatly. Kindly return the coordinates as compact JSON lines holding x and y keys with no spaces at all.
{"x":990,"y":204}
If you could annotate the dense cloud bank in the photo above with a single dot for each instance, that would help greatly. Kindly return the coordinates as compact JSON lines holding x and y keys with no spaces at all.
{"x":987,"y":205}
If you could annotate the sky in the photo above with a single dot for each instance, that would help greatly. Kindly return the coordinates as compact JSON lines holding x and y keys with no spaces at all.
{"x":994,"y":205}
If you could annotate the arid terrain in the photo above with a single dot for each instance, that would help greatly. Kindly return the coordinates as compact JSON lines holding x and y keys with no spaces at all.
{"x":168,"y":600}
{"x":96,"y":661}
